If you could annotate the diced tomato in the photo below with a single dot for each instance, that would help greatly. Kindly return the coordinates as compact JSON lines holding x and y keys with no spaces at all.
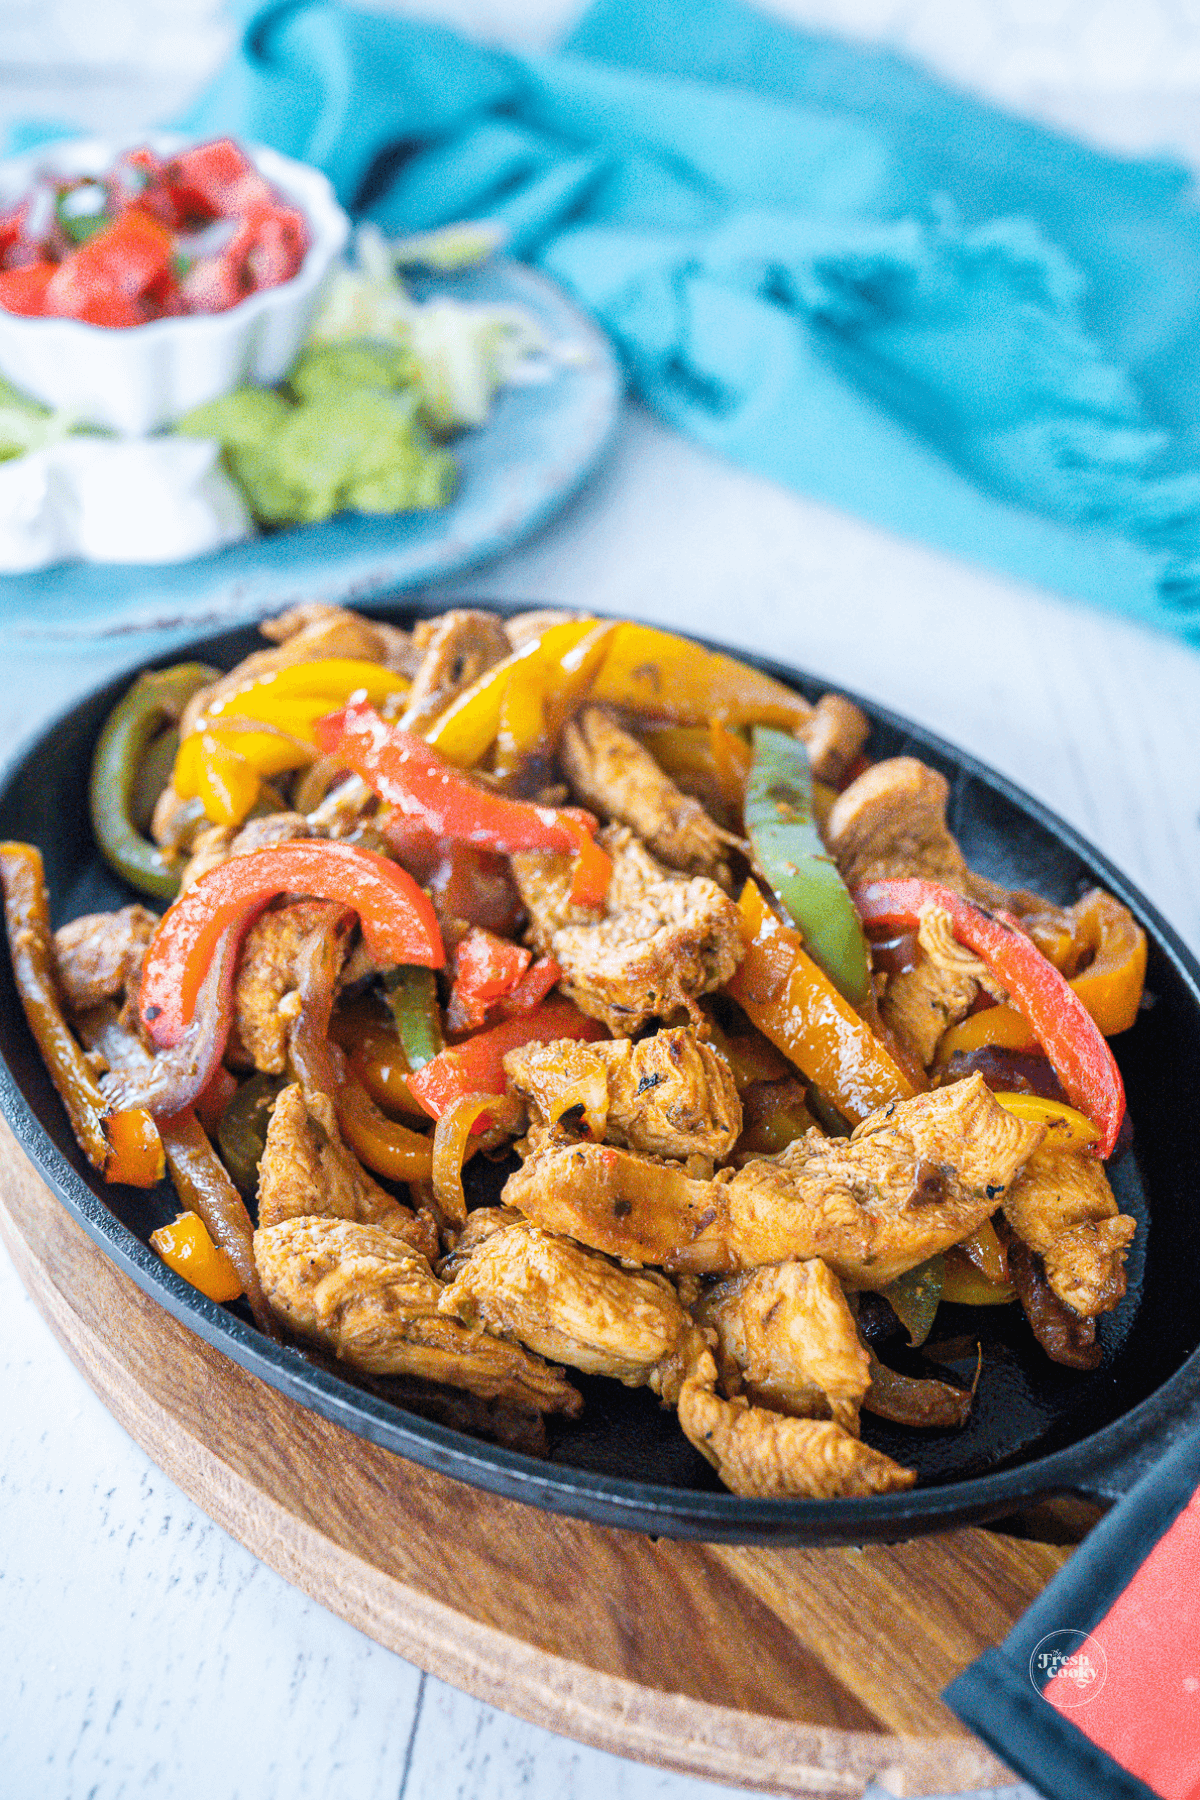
{"x":24,"y":290}
{"x":12,"y":224}
{"x":113,"y":278}
{"x":216,"y":181}
{"x":268,"y":247}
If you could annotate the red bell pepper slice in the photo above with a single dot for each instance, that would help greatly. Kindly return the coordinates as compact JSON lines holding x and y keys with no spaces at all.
{"x":398,"y":921}
{"x":1058,"y":1018}
{"x":486,"y":968}
{"x":533,"y":987}
{"x":24,"y":290}
{"x":110,"y":279}
{"x":404,"y":771}
{"x":477,"y":1066}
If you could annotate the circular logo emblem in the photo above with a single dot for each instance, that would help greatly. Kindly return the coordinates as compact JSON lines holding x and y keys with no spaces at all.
{"x":1074,"y":1661}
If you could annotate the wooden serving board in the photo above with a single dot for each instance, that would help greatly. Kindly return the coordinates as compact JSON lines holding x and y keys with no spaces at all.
{"x":792,"y":1671}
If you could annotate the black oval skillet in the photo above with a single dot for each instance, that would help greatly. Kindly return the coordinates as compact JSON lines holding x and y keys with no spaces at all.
{"x":1037,"y":1429}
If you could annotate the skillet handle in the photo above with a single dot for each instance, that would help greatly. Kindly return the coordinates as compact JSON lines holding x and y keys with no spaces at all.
{"x":1177,"y":1415}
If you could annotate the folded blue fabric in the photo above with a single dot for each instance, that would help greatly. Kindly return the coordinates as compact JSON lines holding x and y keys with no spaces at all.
{"x":815,"y":259}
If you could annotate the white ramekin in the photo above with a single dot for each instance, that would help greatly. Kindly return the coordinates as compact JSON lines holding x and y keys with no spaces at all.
{"x":136,"y":378}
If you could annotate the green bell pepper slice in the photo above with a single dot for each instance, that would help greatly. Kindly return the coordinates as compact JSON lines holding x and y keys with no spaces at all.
{"x":791,"y":857}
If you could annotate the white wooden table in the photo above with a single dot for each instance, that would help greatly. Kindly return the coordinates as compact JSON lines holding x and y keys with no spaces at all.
{"x":142,"y":1652}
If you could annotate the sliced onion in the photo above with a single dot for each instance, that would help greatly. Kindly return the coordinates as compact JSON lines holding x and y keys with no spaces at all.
{"x":450,"y":1147}
{"x":316,"y":1061}
{"x":175,"y":1077}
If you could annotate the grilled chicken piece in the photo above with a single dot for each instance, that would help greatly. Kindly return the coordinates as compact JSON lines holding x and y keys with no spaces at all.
{"x":765,"y":1455}
{"x":617,"y":777}
{"x":266,"y":1002}
{"x":834,"y":737}
{"x":307,"y":1171}
{"x":669,"y":1095}
{"x":221,"y":842}
{"x":310,"y":633}
{"x":635,"y":1207}
{"x":788,"y":1340}
{"x":320,"y":625}
{"x":456,"y":648}
{"x":100,"y":956}
{"x":524,"y":626}
{"x":664,"y":939}
{"x":359,"y":1292}
{"x":916,"y":1177}
{"x":1062,"y":1206}
{"x":892,"y":821}
{"x":922,"y":1003}
{"x":569,"y":1304}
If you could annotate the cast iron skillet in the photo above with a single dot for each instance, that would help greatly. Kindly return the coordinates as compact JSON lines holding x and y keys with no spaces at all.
{"x":1037,"y":1429}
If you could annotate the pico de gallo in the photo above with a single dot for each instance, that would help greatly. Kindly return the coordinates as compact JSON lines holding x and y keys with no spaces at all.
{"x":152,"y":238}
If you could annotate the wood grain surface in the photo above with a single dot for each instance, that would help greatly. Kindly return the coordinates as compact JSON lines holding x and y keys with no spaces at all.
{"x":793,"y":1671}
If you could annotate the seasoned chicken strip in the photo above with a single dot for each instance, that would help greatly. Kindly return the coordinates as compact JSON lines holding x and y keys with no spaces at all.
{"x":892,"y":821}
{"x":669,"y":1094}
{"x":916,"y":1177}
{"x":617,"y":777}
{"x":568,"y":1304}
{"x":374,"y":1303}
{"x":308,"y":1171}
{"x":834,"y":737}
{"x":920,"y":1005}
{"x":765,"y":1455}
{"x":100,"y":955}
{"x":456,"y":648}
{"x":792,"y":1341}
{"x":1062,"y":1206}
{"x":266,"y":1002}
{"x":663,"y":940}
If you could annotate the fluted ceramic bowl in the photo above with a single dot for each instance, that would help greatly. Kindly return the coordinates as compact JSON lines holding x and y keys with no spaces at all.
{"x":136,"y":378}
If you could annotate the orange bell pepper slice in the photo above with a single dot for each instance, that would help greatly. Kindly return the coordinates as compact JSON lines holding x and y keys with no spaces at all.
{"x":1111,"y":984}
{"x":794,"y":1003}
{"x":186,"y":1247}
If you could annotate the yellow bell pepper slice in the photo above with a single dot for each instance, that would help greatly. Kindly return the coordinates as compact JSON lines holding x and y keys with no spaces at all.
{"x":668,"y":677}
{"x":333,"y":679}
{"x":996,"y":1027}
{"x":644,"y":669}
{"x":795,"y":1004}
{"x":468,"y":728}
{"x":227,"y":784}
{"x":186,"y":1247}
{"x":1066,"y":1127}
{"x":541,"y":692}
{"x":1111,"y":984}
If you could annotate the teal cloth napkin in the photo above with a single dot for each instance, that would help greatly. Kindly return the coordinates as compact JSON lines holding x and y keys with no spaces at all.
{"x":815,"y":259}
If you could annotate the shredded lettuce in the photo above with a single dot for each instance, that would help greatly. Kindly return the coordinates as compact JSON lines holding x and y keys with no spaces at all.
{"x":464,"y":352}
{"x":26,"y":426}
